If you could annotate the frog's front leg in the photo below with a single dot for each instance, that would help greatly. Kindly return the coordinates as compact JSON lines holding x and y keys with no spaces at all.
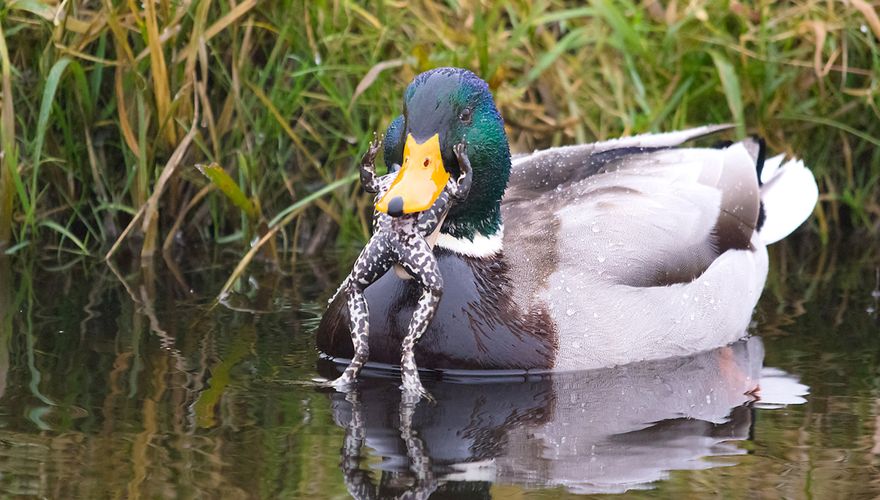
{"x":417,"y":259}
{"x":456,"y":190}
{"x":430,"y":218}
{"x":460,"y":187}
{"x":374,"y":261}
{"x":369,"y":180}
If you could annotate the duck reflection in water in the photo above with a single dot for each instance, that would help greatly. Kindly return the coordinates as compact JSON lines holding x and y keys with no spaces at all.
{"x":600,"y":431}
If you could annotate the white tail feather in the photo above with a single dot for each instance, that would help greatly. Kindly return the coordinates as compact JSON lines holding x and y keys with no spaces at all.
{"x":771,"y":165}
{"x":789,"y":194}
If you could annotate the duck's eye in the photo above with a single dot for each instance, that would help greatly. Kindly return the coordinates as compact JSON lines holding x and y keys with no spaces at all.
{"x":465,"y":115}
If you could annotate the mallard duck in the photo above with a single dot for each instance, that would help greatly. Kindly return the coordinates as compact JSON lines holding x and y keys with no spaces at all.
{"x":579,"y":257}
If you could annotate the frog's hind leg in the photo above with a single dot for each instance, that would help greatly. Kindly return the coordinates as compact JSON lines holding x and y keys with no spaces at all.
{"x":417,"y":258}
{"x":373,"y":262}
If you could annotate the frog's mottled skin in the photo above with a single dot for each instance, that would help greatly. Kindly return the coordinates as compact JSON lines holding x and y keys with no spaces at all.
{"x":399,"y":240}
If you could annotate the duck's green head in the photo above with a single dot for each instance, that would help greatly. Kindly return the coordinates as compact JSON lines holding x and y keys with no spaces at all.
{"x":456,"y":106}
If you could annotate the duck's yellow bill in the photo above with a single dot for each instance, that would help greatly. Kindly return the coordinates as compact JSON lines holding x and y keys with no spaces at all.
{"x":420,"y":181}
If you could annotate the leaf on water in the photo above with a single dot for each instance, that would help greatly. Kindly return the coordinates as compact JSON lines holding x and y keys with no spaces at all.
{"x":206,"y":405}
{"x":229,"y":187}
{"x":732,"y":91}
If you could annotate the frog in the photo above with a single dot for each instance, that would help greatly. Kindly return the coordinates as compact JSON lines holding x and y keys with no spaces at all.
{"x":400,"y":241}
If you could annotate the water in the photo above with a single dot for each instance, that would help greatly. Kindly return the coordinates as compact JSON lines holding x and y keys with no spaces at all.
{"x":126,"y":383}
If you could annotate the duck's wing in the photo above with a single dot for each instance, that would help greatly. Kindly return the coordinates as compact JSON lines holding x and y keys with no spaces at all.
{"x":646,"y":216}
{"x":643,"y":251}
{"x":547,"y":169}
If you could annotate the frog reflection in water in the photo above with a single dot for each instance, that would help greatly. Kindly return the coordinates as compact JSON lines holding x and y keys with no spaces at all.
{"x":399,"y":239}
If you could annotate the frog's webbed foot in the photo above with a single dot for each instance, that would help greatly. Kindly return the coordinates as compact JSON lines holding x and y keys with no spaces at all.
{"x":373,"y":150}
{"x":368,"y":165}
{"x":345,"y":382}
{"x":359,"y":323}
{"x":411,"y":387}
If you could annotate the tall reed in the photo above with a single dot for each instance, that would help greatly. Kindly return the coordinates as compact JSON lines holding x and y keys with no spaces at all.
{"x":109,"y":106}
{"x":8,"y":152}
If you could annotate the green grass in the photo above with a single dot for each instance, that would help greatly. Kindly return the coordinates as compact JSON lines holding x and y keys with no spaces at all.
{"x":113,"y":104}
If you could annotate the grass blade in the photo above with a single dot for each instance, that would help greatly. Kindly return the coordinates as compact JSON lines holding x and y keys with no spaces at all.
{"x":65,"y":233}
{"x":293,"y":102}
{"x":49,"y":90}
{"x":18,"y":246}
{"x":371,"y":76}
{"x":282,"y":217}
{"x":627,"y":38}
{"x":732,"y":90}
{"x":159,"y":75}
{"x":836,"y":124}
{"x":279,"y":221}
{"x":8,"y":154}
{"x":573,"y":39}
{"x":228,"y":186}
{"x":282,"y":122}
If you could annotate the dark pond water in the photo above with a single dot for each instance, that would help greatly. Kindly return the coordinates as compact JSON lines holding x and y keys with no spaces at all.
{"x":124,"y":383}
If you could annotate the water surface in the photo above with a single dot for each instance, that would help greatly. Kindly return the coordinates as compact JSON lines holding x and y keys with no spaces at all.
{"x":123,"y":382}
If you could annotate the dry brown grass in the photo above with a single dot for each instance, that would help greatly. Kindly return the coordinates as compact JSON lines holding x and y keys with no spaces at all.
{"x":116,"y":102}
